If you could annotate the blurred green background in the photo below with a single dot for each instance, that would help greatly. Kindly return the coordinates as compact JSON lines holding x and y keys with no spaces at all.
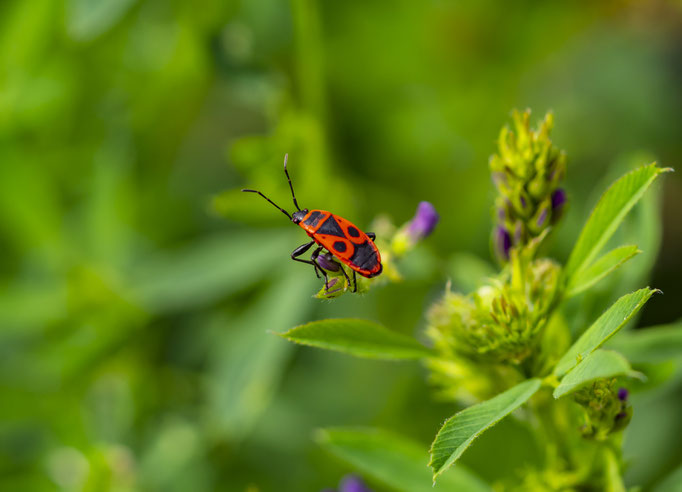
{"x":138,"y":286}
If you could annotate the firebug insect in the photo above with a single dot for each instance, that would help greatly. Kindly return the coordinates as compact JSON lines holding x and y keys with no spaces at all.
{"x":340,"y":237}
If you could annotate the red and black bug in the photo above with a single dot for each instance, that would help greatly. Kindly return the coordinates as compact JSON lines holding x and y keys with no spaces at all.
{"x":340,"y":237}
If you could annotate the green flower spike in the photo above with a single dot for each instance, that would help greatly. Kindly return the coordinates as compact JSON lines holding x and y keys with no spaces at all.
{"x":527,"y":171}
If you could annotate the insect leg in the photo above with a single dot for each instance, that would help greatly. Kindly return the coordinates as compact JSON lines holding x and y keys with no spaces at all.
{"x":355,"y":282}
{"x":371,"y":235}
{"x":313,"y":259}
{"x":302,"y":249}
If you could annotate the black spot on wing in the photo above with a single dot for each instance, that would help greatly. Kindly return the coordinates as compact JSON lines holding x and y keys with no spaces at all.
{"x":314,"y":218}
{"x":340,"y":246}
{"x":353,"y":232}
{"x":331,"y":228}
{"x":364,"y":256}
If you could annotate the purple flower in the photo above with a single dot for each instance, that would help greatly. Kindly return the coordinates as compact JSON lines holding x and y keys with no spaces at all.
{"x":350,"y":483}
{"x":503,"y":242}
{"x":424,"y":221}
{"x":622,"y":394}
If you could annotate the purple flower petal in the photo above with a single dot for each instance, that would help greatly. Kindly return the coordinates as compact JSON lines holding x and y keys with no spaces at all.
{"x":622,"y":394}
{"x":424,"y":221}
{"x":523,"y":202}
{"x":542,"y":217}
{"x":502,"y":242}
{"x":558,"y":200}
{"x":352,"y":483}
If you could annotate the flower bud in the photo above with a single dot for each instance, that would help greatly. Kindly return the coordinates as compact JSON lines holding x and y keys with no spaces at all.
{"x":327,"y":262}
{"x":352,"y":483}
{"x":424,"y":221}
{"x":606,"y":409}
{"x":422,"y":225}
{"x":500,"y":322}
{"x":622,"y":394}
{"x":558,"y":201}
{"x":503,"y":243}
{"x":334,"y":287}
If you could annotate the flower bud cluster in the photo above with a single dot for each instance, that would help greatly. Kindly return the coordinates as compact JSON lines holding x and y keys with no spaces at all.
{"x":527,"y":171}
{"x":606,"y":409}
{"x":500,"y":322}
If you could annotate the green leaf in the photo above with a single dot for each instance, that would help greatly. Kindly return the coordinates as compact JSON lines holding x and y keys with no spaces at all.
{"x":650,"y":345}
{"x":599,"y":364}
{"x":394,"y":460}
{"x":357,"y":337}
{"x":586,"y":278}
{"x":461,"y":429}
{"x":604,"y":328}
{"x":610,"y":211}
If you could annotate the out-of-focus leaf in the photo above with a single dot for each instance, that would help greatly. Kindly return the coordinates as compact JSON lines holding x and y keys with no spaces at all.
{"x":40,"y":224}
{"x":589,"y":276}
{"x":459,"y":431}
{"x":247,"y":362}
{"x":652,"y":439}
{"x":173,"y":459}
{"x":394,"y":460}
{"x":604,"y":328}
{"x":650,"y":345}
{"x":599,"y":364}
{"x":25,"y":309}
{"x":614,"y":204}
{"x":208,"y":270}
{"x":25,"y":31}
{"x":88,"y":19}
{"x":358,"y":337}
{"x":111,"y":203}
{"x":671,"y":483}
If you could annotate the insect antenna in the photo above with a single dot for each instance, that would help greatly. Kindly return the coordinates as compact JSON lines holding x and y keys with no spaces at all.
{"x":286,"y":157}
{"x":261,"y":194}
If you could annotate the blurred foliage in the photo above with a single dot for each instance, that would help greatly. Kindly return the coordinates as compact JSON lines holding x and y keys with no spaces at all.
{"x":134,"y":319}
